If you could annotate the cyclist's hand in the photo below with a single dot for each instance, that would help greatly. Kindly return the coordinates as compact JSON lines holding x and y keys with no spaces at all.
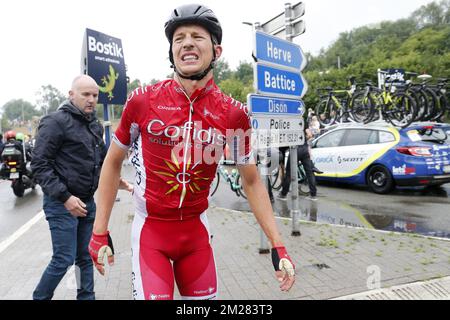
{"x":284,"y":268}
{"x":98,"y":246}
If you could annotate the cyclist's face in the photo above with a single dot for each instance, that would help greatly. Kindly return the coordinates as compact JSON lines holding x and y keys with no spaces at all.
{"x":192,"y":49}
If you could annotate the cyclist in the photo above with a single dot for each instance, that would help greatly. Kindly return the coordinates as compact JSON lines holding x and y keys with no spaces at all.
{"x":167,"y":124}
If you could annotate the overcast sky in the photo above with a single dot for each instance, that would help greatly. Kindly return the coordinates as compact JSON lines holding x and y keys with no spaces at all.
{"x":41,"y":39}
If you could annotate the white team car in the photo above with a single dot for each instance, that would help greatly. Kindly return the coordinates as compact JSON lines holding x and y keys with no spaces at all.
{"x":383,"y":156}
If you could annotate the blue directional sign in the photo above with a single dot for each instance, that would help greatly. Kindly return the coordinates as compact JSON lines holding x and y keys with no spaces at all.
{"x":275,"y":106}
{"x":276,"y":51}
{"x":279,"y":82}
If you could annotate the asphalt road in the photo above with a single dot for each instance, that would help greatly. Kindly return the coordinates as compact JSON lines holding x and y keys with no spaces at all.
{"x":15,"y":212}
{"x":422,"y":211}
{"x":416,"y":211}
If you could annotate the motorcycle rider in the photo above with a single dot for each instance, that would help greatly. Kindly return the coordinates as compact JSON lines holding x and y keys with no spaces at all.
{"x":11,"y":142}
{"x":10,"y":137}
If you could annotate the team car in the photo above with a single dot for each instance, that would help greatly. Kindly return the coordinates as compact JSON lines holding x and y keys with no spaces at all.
{"x":382,"y":156}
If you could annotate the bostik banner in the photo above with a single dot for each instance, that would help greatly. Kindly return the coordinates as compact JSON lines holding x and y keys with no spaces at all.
{"x":103,"y":60}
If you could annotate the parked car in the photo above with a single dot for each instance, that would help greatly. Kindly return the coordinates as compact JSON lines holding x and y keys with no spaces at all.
{"x":383,"y":156}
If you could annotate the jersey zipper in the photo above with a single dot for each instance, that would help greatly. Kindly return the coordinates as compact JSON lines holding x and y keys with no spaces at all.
{"x":185,"y":153}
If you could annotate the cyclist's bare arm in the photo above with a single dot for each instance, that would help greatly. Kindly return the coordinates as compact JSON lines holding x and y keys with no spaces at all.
{"x":108,"y":186}
{"x":262,"y":209}
{"x":259,"y":201}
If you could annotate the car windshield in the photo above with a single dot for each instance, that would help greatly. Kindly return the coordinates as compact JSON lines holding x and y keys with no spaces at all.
{"x":430,"y":134}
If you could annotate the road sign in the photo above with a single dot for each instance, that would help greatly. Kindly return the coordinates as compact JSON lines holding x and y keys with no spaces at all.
{"x":277,"y":123}
{"x":276,"y":51}
{"x":298,"y":29}
{"x":279,"y":82}
{"x":275,"y":106}
{"x":289,"y":132}
{"x":278,"y":23}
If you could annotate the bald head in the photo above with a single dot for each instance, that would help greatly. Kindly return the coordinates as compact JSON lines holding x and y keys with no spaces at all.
{"x":84,"y":93}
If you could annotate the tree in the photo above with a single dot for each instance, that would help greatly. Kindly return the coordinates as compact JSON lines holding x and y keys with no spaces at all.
{"x":136,"y":83}
{"x":236,"y":89}
{"x":433,"y":14}
{"x":221,"y":71}
{"x":19,"y":110}
{"x":49,"y":99}
{"x":420,"y":43}
{"x":244,"y":72}
{"x":5,"y":126}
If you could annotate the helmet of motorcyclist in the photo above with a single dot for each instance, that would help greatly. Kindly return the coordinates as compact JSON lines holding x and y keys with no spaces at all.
{"x":199,"y":15}
{"x":10,"y":135}
{"x":20,"y":136}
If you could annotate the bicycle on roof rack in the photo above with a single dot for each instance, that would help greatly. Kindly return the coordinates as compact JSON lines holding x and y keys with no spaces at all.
{"x":389,"y":104}
{"x":338,"y":105}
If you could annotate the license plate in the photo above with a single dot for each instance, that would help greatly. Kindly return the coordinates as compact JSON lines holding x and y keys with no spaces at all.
{"x":447,"y":169}
{"x":14,"y":175}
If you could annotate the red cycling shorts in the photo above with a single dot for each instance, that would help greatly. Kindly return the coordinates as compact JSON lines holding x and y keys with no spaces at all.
{"x":168,"y":251}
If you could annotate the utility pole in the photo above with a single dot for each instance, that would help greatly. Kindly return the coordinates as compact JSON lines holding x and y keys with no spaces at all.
{"x":23,"y":114}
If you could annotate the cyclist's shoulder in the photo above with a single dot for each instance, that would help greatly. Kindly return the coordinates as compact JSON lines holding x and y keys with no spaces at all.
{"x":235,"y":108}
{"x":145,"y":92}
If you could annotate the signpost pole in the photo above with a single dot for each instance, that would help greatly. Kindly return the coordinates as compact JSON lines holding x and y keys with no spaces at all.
{"x":107,"y":125}
{"x":295,"y":212}
{"x":272,"y":105}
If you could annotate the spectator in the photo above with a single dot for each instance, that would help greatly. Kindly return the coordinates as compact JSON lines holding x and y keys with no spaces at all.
{"x":2,"y":145}
{"x":67,"y":159}
{"x":303,"y":156}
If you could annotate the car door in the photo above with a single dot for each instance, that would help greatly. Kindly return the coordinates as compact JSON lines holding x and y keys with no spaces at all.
{"x":324,"y":152}
{"x":358,"y":149}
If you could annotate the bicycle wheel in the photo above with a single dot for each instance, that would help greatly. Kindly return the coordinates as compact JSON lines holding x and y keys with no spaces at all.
{"x":362,"y":107}
{"x":214,"y":185}
{"x":327,"y":112}
{"x":241,"y":189}
{"x":277,"y":177}
{"x":401,"y":112}
{"x":303,"y":186}
{"x":432,"y":102}
{"x":441,"y":106}
{"x":421,"y":102}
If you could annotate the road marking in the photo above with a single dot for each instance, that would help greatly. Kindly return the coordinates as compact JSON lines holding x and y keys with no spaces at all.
{"x":21,"y":231}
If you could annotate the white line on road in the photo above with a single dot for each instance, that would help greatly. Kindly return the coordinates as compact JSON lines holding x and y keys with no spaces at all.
{"x":16,"y":235}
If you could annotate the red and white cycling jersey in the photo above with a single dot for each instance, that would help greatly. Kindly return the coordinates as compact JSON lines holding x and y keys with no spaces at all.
{"x":177,"y":143}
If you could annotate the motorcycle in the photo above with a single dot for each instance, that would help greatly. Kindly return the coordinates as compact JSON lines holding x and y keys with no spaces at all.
{"x":15,"y":168}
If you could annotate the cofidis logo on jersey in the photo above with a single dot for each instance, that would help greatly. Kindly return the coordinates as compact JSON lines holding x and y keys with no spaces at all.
{"x":104,"y":61}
